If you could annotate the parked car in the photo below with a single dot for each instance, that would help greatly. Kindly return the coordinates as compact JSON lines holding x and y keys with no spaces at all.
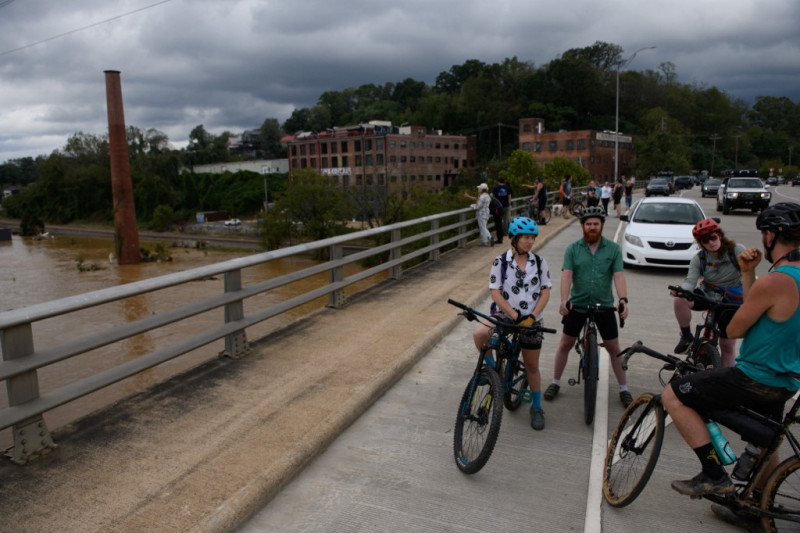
{"x":739,"y":192}
{"x":796,"y":180}
{"x":233,"y":222}
{"x":710,"y":187}
{"x":659,"y":232}
{"x":657,"y":186}
{"x":772,"y":180}
{"x":684,"y":182}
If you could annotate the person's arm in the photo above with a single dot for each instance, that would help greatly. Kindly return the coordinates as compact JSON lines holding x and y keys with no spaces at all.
{"x":693,"y":275}
{"x":566,"y":284}
{"x":757,"y":302}
{"x":541,"y":303}
{"x":622,"y":292}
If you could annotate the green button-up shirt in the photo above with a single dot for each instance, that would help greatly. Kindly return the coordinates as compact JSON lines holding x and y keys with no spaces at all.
{"x":593,"y":274}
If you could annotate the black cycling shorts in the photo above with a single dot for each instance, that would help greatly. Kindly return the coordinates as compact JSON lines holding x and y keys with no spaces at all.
{"x":606,"y":324}
{"x":723,"y":388}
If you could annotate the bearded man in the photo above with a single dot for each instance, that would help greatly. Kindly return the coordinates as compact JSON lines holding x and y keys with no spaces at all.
{"x":591,"y":265}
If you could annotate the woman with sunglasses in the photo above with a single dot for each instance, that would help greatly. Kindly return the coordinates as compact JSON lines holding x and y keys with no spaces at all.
{"x":714,"y":272}
{"x":519,"y":284}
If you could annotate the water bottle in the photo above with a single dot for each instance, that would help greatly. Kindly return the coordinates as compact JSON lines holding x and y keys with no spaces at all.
{"x":721,"y":444}
{"x":746,"y":462}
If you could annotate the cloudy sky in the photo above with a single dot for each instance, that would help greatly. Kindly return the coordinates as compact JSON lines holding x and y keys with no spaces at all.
{"x":229,"y":64}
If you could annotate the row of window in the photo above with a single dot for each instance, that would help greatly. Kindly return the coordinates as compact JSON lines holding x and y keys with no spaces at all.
{"x":569,"y":144}
{"x":380,"y":179}
{"x":335,"y":147}
{"x":369,"y":161}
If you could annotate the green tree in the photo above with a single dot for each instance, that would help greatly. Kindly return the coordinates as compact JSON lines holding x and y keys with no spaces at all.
{"x":559,"y":168}
{"x":522,"y":169}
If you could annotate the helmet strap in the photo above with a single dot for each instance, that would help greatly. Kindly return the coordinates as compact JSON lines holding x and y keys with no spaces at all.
{"x":792,"y":256}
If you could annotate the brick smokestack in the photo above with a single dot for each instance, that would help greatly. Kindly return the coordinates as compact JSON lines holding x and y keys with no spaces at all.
{"x":126,"y":234}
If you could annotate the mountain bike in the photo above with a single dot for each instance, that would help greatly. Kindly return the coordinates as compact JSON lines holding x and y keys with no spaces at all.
{"x":636,"y":443}
{"x":704,"y":349}
{"x":499,"y":373}
{"x":577,"y":205}
{"x":589,"y":362}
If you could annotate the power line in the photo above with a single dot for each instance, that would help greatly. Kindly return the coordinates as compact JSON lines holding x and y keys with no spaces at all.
{"x":5,"y":2}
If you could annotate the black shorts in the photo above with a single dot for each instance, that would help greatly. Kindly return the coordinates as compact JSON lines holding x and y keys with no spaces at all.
{"x":724,"y":315}
{"x":606,"y":324}
{"x":724,"y":388}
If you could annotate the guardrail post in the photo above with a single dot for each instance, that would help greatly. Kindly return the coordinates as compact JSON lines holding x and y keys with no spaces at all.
{"x":235,"y":343}
{"x":396,"y":271}
{"x":462,"y":230}
{"x":434,"y":255}
{"x":31,"y":436}
{"x":336,"y":299}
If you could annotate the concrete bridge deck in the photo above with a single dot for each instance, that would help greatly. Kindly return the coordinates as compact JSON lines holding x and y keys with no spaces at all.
{"x":221,"y":447}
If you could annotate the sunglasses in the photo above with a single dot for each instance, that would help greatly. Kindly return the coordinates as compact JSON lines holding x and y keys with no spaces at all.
{"x":711,"y":238}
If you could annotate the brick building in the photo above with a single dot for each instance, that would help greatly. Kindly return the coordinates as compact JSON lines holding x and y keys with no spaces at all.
{"x":380,"y":154}
{"x":593,"y":150}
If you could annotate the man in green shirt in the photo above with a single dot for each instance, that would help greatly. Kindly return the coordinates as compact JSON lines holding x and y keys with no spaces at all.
{"x":591,"y":265}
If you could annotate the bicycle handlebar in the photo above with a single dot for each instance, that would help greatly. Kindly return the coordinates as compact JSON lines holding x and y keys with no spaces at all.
{"x":639,"y":347}
{"x":694,"y":296}
{"x":473,"y":314}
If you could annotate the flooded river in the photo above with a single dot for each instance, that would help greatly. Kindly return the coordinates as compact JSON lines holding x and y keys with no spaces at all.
{"x":34,"y":271}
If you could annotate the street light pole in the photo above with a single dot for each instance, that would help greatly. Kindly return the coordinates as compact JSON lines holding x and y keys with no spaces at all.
{"x":620,"y":66}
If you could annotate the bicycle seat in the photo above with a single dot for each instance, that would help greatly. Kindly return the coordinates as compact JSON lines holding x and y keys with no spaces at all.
{"x":750,"y":429}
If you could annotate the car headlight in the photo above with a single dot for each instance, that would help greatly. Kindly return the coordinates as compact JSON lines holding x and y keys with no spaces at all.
{"x":766,"y":195}
{"x":634,"y":240}
{"x":732,"y":195}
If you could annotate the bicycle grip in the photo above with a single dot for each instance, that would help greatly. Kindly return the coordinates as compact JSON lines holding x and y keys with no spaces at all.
{"x":549,"y":330}
{"x":457,"y":304}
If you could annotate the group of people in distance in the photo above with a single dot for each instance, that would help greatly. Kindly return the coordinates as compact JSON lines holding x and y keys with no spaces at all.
{"x":765,"y":312}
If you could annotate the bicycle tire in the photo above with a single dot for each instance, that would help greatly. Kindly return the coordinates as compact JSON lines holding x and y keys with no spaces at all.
{"x":575,"y":207}
{"x":512,"y":373}
{"x":545,"y":214}
{"x":633,"y":450}
{"x":480,"y":414}
{"x":781,"y":497}
{"x":708,"y":355}
{"x":591,"y":375}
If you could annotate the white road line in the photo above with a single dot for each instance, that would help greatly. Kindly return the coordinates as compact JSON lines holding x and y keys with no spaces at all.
{"x":594,"y":500}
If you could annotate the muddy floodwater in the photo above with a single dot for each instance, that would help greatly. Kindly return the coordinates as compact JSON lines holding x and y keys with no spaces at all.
{"x":35,"y":271}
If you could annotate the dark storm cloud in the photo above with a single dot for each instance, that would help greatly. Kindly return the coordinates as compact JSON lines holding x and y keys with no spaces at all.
{"x":230,"y":65}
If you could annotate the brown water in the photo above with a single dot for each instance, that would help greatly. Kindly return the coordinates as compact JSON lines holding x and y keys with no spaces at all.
{"x":35,"y":271}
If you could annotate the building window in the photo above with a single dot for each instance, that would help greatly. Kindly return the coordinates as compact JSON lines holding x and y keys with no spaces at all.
{"x":381,"y":179}
{"x":302,"y":149}
{"x":455,"y":146}
{"x":358,"y":160}
{"x":430,"y":159}
{"x":369,"y":179}
{"x":344,"y":161}
{"x":333,"y":147}
{"x":570,"y":144}
{"x":392,"y":143}
{"x":526,"y":128}
{"x":412,"y":144}
{"x":379,"y":144}
{"x":581,"y":144}
{"x":368,"y":160}
{"x":553,"y":146}
{"x":526,"y":147}
{"x":380,"y":158}
{"x":402,"y":144}
{"x":344,"y":147}
{"x":438,"y":159}
{"x":412,"y":159}
{"x":294,"y":163}
{"x":368,"y":144}
{"x":393,"y":159}
{"x":313,"y":163}
{"x":303,"y":163}
{"x":323,"y":148}
{"x":334,"y":162}
{"x":357,"y":145}
{"x":345,"y":181}
{"x":294,"y":150}
{"x":402,"y":159}
{"x":324,"y":161}
{"x":537,"y":147}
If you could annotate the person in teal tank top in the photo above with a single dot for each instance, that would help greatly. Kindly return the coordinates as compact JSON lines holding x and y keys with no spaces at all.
{"x":768,"y":321}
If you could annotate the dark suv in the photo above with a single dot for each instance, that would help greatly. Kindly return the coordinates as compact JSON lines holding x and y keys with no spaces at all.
{"x":657,"y":186}
{"x":684,"y":182}
{"x":738,"y":192}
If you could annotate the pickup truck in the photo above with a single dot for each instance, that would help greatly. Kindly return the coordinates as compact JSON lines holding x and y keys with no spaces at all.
{"x":742,"y":193}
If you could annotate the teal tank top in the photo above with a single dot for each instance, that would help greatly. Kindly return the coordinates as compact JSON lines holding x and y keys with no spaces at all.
{"x":771,"y":348}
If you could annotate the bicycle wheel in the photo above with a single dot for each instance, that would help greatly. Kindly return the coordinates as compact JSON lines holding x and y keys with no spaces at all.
{"x":781,"y":497}
{"x":575,"y":207}
{"x":707,"y":355}
{"x":478,"y":423}
{"x":633,"y":450}
{"x":590,"y":376}
{"x":512,"y":373}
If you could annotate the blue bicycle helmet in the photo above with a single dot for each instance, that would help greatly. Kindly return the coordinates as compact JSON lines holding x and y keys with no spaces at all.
{"x":522,"y":226}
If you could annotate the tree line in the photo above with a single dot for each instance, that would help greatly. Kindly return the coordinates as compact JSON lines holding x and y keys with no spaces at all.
{"x":678,"y":127}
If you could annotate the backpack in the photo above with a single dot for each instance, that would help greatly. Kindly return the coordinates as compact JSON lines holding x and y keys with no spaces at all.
{"x":730,"y":295}
{"x":495,"y":207}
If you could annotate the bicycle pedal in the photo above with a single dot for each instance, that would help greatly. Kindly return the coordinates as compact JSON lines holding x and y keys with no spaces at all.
{"x":526,"y":396}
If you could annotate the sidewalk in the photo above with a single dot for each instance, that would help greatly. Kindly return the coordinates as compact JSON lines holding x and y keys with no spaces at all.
{"x":205,"y":450}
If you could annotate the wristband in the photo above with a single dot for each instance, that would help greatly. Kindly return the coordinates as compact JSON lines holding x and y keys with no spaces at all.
{"x":624,"y":299}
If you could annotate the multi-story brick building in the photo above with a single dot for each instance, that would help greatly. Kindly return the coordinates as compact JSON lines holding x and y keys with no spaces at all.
{"x":380,"y":154}
{"x":593,"y":150}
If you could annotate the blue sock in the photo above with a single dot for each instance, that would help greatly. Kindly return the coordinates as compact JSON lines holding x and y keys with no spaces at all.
{"x":536,"y":399}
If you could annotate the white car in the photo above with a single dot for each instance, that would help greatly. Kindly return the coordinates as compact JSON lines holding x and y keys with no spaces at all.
{"x":233,"y":222}
{"x":659,"y":232}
